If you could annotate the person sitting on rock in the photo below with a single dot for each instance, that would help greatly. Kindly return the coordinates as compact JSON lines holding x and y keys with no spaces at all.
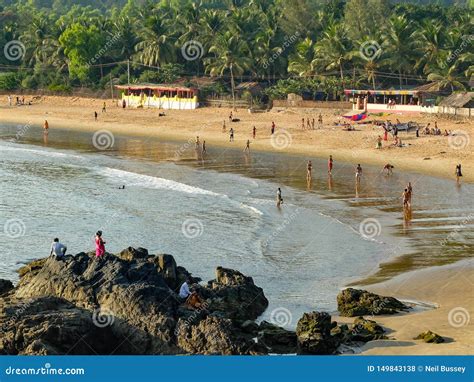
{"x":58,"y":249}
{"x":191,"y":298}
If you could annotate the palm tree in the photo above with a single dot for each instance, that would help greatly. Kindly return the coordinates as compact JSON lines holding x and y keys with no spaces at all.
{"x":156,"y":45}
{"x":300,"y":61}
{"x":446,"y":75}
{"x":333,"y":50}
{"x":399,"y":46}
{"x":430,"y":38}
{"x":230,"y":55}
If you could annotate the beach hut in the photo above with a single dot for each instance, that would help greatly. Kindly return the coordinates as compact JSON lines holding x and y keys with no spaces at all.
{"x":461,"y":103}
{"x":158,"y":96}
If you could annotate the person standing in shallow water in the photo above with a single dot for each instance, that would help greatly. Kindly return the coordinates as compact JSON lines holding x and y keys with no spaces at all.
{"x":458,"y":173}
{"x":279,"y":197}
{"x":99,"y":245}
{"x":45,"y":127}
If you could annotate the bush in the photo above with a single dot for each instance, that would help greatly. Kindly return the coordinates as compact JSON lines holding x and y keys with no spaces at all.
{"x":29,"y":82}
{"x":9,"y":81}
{"x":63,"y":88}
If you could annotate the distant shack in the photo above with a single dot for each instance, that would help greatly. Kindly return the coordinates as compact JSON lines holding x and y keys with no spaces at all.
{"x":158,"y":96}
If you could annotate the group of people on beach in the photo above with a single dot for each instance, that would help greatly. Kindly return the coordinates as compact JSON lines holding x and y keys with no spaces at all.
{"x":310,"y":124}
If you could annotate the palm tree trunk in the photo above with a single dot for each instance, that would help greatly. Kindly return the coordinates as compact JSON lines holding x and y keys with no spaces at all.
{"x":232,"y":84}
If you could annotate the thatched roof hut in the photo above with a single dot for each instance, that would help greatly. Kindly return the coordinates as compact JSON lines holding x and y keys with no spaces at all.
{"x":458,"y":100}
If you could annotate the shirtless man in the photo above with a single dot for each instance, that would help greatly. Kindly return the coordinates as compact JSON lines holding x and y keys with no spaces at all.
{"x":406,"y":198}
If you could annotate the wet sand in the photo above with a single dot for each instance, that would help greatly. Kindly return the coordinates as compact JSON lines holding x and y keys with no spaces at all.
{"x":451,"y":290}
{"x":447,"y":287}
{"x":436,"y":155}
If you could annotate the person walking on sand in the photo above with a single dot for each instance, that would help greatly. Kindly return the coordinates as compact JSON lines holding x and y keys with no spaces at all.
{"x":279,"y":197}
{"x":223,"y":127}
{"x":330,"y":164}
{"x":104,"y":108}
{"x":247,"y":146}
{"x":99,"y":245}
{"x":9,"y":100}
{"x":358,"y":173}
{"x":302,"y":123}
{"x":45,"y":127}
{"x":231,"y":135}
{"x":58,"y":249}
{"x":231,"y":117}
{"x":203,"y":147}
{"x":95,"y":116}
{"x":312,"y":124}
{"x":308,"y":124}
{"x":273,"y":128}
{"x":458,"y":173}
{"x":198,"y":144}
{"x":254,"y":132}
{"x":320,"y":121}
{"x":379,"y":142}
{"x":309,"y":169}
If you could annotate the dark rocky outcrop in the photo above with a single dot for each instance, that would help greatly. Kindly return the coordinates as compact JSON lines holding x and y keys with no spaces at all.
{"x":314,"y":334}
{"x":77,"y":297}
{"x":275,"y":339}
{"x":430,"y":337}
{"x":366,"y":330}
{"x":356,"y":302}
{"x":5,"y":286}
{"x":235,"y":295}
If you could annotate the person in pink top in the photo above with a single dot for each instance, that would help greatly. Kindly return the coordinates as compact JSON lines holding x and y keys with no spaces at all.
{"x":99,"y":245}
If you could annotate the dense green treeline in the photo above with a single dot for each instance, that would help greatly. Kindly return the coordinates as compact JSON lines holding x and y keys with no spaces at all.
{"x":298,"y":45}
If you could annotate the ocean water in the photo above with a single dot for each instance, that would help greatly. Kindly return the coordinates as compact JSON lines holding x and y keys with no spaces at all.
{"x":219,"y":209}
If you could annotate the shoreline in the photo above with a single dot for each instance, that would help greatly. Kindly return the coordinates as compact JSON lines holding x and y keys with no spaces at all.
{"x":184,"y":125}
{"x":446,"y":288}
{"x":407,"y":286}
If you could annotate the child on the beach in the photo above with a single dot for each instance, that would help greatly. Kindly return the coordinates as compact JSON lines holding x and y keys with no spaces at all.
{"x":309,"y":169}
{"x":254,"y":132}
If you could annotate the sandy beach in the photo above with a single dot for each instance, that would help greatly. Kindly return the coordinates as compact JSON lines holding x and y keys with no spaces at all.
{"x":448,"y":293}
{"x":434,"y":155}
{"x":448,"y":290}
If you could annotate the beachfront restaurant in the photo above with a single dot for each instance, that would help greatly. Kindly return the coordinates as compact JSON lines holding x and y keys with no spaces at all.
{"x":158,"y":96}
{"x":380,"y":100}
